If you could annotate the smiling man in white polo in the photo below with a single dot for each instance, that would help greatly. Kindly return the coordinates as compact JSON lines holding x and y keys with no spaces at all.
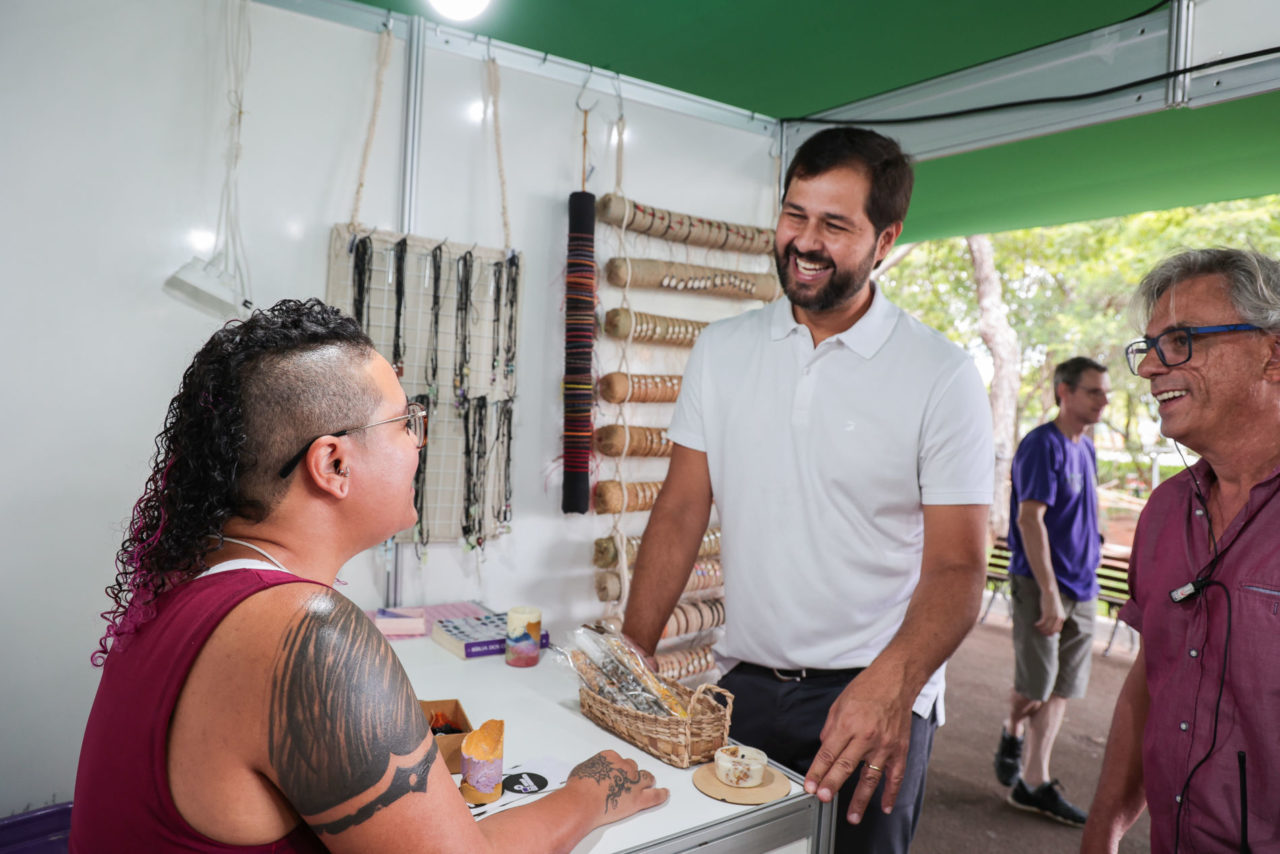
{"x":847,"y":449}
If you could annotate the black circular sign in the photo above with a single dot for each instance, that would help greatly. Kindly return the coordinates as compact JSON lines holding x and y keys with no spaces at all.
{"x":524,"y":783}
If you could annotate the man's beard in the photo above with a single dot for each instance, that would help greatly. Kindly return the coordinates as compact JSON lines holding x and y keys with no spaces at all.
{"x":841,"y":287}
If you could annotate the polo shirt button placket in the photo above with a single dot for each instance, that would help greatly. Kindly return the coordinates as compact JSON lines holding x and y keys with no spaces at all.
{"x":1194,"y":653}
{"x":1183,"y":726}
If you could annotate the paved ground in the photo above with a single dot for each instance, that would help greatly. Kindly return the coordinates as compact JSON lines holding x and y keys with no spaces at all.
{"x":964,"y":811}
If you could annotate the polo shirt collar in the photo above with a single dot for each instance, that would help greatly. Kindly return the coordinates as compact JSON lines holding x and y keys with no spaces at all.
{"x":865,"y":337}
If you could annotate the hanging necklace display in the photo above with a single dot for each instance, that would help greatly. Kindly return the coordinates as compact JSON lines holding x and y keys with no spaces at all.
{"x":475,"y":451}
{"x":360,"y":270}
{"x":433,"y":368}
{"x":423,"y":532}
{"x":397,"y":339}
{"x":502,"y":444}
{"x":498,"y":269}
{"x":513,"y":297}
{"x":375,"y":274}
{"x":462,"y":332}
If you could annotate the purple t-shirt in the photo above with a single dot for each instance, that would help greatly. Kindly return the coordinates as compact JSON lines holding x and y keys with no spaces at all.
{"x":1062,"y":474}
{"x":1196,"y":709}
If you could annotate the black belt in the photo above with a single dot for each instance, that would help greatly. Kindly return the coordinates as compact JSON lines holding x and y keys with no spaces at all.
{"x":795,"y":675}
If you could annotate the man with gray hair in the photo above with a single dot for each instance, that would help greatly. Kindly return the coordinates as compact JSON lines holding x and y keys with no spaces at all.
{"x":1194,"y":731}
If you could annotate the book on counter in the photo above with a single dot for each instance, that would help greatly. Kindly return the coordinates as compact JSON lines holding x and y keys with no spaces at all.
{"x":417,"y":621}
{"x":472,"y":637}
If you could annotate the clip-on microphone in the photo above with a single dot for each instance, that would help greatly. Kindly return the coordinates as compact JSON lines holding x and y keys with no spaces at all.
{"x":1193,"y":587}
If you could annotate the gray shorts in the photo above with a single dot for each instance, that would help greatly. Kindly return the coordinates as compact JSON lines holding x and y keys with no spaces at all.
{"x":1058,"y":664}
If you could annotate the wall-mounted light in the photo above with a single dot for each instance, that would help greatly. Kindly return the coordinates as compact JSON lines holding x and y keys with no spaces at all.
{"x":475,"y":111}
{"x":459,"y":10}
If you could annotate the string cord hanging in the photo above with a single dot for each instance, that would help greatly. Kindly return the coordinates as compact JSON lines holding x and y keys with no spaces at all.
{"x":229,"y":256}
{"x":624,"y":569}
{"x":385,"y":41}
{"x":495,"y":83}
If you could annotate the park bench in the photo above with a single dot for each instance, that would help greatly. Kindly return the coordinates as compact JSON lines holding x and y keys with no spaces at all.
{"x":1113,"y":581}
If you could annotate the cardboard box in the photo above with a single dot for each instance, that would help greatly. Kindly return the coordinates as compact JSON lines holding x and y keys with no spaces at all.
{"x":450,"y":745}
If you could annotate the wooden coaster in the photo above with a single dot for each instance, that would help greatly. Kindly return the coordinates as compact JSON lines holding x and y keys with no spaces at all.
{"x":773,"y":787}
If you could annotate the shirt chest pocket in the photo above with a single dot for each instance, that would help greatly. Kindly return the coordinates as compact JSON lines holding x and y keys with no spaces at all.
{"x":1255,"y":636}
{"x":1260,"y":607}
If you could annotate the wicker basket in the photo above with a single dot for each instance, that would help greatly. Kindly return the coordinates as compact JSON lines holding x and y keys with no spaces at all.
{"x":676,"y":741}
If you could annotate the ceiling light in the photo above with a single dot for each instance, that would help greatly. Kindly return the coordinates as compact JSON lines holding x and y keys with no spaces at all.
{"x":459,"y":10}
{"x":201,"y":284}
{"x":201,"y":240}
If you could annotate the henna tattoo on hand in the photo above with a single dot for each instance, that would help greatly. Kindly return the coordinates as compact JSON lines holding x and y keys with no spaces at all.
{"x":342,"y":715}
{"x":601,"y":770}
{"x":596,"y":768}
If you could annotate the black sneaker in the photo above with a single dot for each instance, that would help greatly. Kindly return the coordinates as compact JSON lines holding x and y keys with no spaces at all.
{"x":1046,"y":799}
{"x":1008,"y":758}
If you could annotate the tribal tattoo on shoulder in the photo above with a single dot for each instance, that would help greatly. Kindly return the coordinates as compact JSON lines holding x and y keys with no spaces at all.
{"x":345,"y":726}
{"x":601,"y":770}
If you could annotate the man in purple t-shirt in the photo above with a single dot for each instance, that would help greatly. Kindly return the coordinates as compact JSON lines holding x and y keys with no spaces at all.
{"x":1053,"y":538}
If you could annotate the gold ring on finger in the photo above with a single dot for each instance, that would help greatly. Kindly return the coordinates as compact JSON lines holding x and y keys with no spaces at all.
{"x":875,"y":768}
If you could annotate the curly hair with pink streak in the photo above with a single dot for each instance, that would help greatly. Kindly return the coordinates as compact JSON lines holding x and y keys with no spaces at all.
{"x":252,"y":392}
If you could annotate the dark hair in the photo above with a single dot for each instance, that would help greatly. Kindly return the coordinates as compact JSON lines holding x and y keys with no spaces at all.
{"x":256,"y":390}
{"x":1253,"y":282}
{"x":888,"y":169}
{"x":1071,"y":371}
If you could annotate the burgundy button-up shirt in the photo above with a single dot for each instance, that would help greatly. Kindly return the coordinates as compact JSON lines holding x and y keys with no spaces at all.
{"x":1230,"y":629}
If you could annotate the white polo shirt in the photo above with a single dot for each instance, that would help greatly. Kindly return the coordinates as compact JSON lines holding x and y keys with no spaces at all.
{"x":821,"y":459}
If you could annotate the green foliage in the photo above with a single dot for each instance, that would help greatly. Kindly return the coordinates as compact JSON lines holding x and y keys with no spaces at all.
{"x":1067,"y":292}
{"x":1118,"y":472}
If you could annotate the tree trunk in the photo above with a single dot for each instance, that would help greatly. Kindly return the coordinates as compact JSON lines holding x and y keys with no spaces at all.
{"x":891,"y":260}
{"x":1002,"y":342}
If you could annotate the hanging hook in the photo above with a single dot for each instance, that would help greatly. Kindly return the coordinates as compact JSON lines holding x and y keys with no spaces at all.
{"x":617,"y":87}
{"x":488,"y":49}
{"x":578,"y":101}
{"x":389,"y":23}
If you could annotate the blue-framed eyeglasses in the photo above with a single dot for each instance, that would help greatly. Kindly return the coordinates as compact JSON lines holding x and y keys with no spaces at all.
{"x":1173,"y":346}
{"x":415,"y":422}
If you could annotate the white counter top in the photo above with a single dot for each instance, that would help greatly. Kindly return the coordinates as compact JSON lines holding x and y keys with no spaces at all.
{"x":540,"y":708}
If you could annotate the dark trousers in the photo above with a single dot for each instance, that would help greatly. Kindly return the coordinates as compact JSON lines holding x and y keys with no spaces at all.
{"x":784,"y":718}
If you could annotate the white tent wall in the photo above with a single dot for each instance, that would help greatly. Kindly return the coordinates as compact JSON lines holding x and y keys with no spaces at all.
{"x":114,"y":118}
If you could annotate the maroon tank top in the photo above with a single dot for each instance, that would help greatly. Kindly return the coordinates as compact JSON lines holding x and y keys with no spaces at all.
{"x":122,"y":799}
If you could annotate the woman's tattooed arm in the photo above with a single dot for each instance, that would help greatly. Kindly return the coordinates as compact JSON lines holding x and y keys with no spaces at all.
{"x":346,"y":735}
